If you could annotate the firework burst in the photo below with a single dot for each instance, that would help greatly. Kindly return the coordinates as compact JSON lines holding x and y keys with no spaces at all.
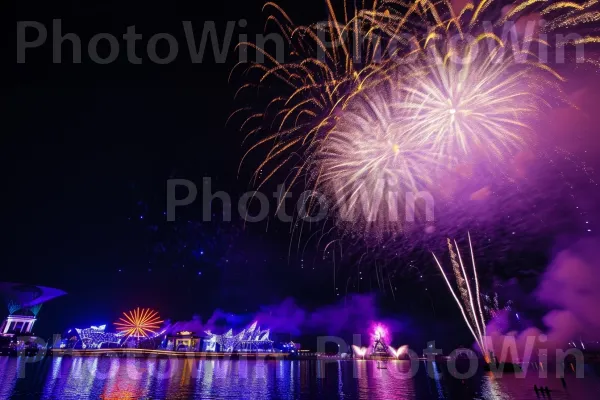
{"x":388,"y":100}
{"x":481,"y":105}
{"x":369,"y":162}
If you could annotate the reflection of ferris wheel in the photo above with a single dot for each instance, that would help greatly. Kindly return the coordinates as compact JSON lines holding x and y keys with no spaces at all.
{"x":139,"y":323}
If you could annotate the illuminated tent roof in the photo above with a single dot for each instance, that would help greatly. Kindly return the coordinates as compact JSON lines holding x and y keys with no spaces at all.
{"x":27,"y":296}
{"x":250,"y":339}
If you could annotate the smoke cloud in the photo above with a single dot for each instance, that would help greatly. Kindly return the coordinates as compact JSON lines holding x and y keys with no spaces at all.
{"x":570,"y":289}
{"x":353,"y":315}
{"x":572,"y":286}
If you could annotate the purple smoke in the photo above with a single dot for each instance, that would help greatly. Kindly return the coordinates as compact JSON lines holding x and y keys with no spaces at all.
{"x":353,"y":315}
{"x":570,"y":288}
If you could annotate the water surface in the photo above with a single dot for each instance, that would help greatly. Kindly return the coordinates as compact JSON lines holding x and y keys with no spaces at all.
{"x":127,"y":378}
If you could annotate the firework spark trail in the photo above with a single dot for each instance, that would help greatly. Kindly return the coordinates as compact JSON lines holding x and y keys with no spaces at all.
{"x":323,"y":81}
{"x":320,"y":82}
{"x":472,"y":313}
{"x":472,"y":309}
{"x":477,"y":292}
{"x":462,"y":310}
{"x":462,"y":283}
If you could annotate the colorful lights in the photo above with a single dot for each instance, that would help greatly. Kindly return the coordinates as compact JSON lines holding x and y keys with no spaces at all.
{"x":139,"y":322}
{"x":13,"y":306}
{"x":380,"y":335}
{"x":359,"y":351}
{"x":95,"y":337}
{"x":251,"y":339}
{"x":397,"y":353}
{"x":98,"y":328}
{"x":379,"y":349}
{"x":379,"y":332}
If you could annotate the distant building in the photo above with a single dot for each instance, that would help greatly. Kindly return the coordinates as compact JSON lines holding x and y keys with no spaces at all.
{"x":24,"y":303}
{"x":431,"y":350}
{"x":250,"y":340}
{"x":183,"y":341}
{"x":18,"y":324}
{"x":287,"y":347}
{"x":94,"y":337}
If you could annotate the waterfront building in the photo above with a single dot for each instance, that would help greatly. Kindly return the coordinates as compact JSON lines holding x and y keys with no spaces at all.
{"x":23,"y":303}
{"x":250,"y":340}
{"x":184,"y":341}
{"x":94,"y":337}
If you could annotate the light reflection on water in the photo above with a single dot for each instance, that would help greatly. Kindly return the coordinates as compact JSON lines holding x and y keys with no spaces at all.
{"x":130,"y":378}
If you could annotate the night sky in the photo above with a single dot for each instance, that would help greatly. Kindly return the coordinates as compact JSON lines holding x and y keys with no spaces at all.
{"x":91,"y":150}
{"x":86,"y":158}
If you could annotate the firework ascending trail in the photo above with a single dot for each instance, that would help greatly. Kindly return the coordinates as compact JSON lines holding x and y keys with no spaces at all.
{"x":468,"y":298}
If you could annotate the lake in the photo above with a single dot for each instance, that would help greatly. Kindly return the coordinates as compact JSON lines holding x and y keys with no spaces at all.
{"x":155,"y":378}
